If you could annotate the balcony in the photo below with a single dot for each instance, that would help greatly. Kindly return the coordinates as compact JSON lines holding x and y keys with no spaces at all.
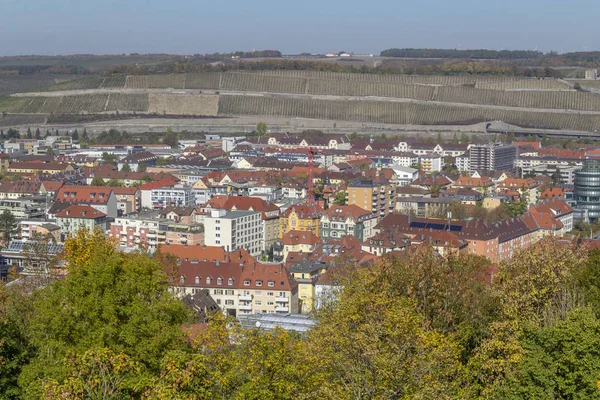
{"x":245,"y":297}
{"x":282,"y":309}
{"x":245,"y":307}
{"x":151,"y":235}
{"x":280,"y":299}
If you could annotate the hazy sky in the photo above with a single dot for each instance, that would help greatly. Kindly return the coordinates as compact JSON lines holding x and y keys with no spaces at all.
{"x":200,"y":26}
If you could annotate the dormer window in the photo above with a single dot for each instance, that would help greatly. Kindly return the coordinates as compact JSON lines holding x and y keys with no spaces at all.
{"x":258,"y":283}
{"x":230,"y":282}
{"x":208,"y":280}
{"x":219,"y":281}
{"x":247,"y":282}
{"x":270,"y":283}
{"x":197,"y":280}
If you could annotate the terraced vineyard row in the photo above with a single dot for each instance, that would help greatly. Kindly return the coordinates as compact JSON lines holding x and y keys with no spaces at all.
{"x":529,"y":99}
{"x":399,"y":113}
{"x":21,"y":119}
{"x":127,"y":102}
{"x":393,"y":78}
{"x":78,"y":84}
{"x":593,"y":84}
{"x":22,"y":83}
{"x":359,"y":88}
{"x":527,"y":84}
{"x":113,"y":82}
{"x":261,"y":83}
{"x":83,"y":104}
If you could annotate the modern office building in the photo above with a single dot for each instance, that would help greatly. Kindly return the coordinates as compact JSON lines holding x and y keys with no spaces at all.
{"x":234,"y":230}
{"x":587,"y":188}
{"x":493,"y":157}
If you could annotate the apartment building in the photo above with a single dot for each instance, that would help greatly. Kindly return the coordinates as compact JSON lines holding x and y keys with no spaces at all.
{"x":22,"y":208}
{"x":493,"y":157}
{"x":339,"y":221}
{"x":76,"y":217}
{"x":175,"y":195}
{"x":306,"y":275}
{"x":301,"y":217}
{"x":234,"y":230}
{"x":379,"y":197}
{"x":101,"y":198}
{"x":129,"y":199}
{"x":240,"y":288}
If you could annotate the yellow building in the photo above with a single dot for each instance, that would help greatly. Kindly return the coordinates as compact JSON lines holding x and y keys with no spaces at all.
{"x":306,"y":274}
{"x":303,"y":217}
{"x":377,"y":197}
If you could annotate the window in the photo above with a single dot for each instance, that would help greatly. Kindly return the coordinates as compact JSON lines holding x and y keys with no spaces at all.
{"x":228,"y":302}
{"x":258,"y":303}
{"x":270,"y":303}
{"x":229,"y":292}
{"x":208,"y":280}
{"x":219,"y":301}
{"x":219,"y":281}
{"x":218,"y":291}
{"x":246,"y":282}
{"x":230,"y":282}
{"x":270,"y":294}
{"x":258,"y":283}
{"x":258,"y":293}
{"x":197,"y":280}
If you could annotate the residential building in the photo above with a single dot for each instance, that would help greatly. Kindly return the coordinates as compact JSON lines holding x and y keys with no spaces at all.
{"x":234,"y":230}
{"x":129,"y":199}
{"x":240,"y":288}
{"x":23,"y":208}
{"x":339,"y":221}
{"x":405,"y":175}
{"x":379,"y":197}
{"x":493,"y":157}
{"x":269,"y":214}
{"x":101,"y":198}
{"x":301,"y":217}
{"x":77,"y":217}
{"x":431,"y":163}
{"x":298,"y":241}
{"x":173,"y":195}
{"x":306,"y":274}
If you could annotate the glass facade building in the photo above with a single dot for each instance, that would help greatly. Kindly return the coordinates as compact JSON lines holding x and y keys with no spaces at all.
{"x":587,"y":188}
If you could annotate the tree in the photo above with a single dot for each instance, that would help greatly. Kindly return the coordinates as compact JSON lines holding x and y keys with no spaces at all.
{"x":142,"y":167}
{"x":108,"y":300}
{"x":8,"y":226}
{"x":171,"y":139}
{"x":261,"y":129}
{"x":97,"y":181}
{"x":340,"y":198}
{"x":50,"y":151}
{"x":114,"y":183}
{"x":85,"y":134}
{"x":29,"y":133}
{"x":75,"y":136}
{"x":110,"y":158}
{"x":439,"y":138}
{"x":560,"y":361}
{"x":125,"y":168}
{"x":38,"y":134}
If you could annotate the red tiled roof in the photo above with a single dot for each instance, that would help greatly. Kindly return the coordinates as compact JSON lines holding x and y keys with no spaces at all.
{"x":292,"y":238}
{"x":158,"y":184}
{"x":84,"y":194}
{"x":76,"y":211}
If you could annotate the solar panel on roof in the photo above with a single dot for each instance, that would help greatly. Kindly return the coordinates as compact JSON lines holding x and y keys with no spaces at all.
{"x":455,"y":228}
{"x":436,"y":226}
{"x":418,"y":225}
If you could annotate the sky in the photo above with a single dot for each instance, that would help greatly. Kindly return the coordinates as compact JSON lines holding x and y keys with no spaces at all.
{"x":363,"y":27}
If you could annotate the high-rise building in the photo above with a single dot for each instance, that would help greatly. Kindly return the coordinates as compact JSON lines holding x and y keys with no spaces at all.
{"x":493,"y":157}
{"x":587,"y":188}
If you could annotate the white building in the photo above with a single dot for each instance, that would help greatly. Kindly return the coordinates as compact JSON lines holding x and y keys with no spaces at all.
{"x":234,"y":230}
{"x":463,"y":163}
{"x":405,"y":175}
{"x":431,"y":163}
{"x":176,"y":195}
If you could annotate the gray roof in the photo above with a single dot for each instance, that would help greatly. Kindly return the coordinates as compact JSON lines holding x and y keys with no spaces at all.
{"x":289,"y":322}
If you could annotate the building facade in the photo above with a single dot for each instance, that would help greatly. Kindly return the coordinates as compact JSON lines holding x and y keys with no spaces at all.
{"x":493,"y":157}
{"x":233,"y":230}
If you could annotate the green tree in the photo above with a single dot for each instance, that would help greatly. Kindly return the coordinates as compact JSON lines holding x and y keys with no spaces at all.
{"x":109,"y":299}
{"x":114,"y":183}
{"x":125,"y":168}
{"x":97,"y":181}
{"x":560,"y":361}
{"x":340,"y":198}
{"x":75,"y":136}
{"x":8,"y":226}
{"x":110,"y":158}
{"x":29,"y":133}
{"x":142,"y":167}
{"x":38,"y":134}
{"x":261,"y":129}
{"x":85,"y":135}
{"x":171,"y":139}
